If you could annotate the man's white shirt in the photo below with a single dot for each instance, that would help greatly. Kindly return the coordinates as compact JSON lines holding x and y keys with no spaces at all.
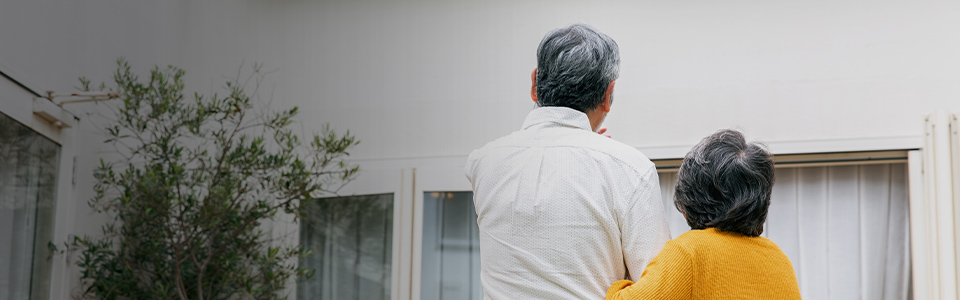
{"x":563,"y":211}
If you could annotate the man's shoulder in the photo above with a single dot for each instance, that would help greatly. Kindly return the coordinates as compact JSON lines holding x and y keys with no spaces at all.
{"x":600,"y":145}
{"x":507,"y":141}
{"x":501,"y":144}
{"x":625,"y":154}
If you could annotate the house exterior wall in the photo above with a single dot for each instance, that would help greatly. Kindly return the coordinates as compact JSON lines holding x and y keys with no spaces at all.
{"x":422,"y":83}
{"x":430,"y":79}
{"x":427,"y":79}
{"x":46,"y":46}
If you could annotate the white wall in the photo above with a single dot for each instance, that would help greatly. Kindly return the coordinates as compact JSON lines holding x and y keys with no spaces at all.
{"x":47,"y":45}
{"x":422,"y":83}
{"x":434,"y":79}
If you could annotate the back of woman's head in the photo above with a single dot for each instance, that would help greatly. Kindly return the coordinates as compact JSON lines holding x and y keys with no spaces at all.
{"x":725,"y":183}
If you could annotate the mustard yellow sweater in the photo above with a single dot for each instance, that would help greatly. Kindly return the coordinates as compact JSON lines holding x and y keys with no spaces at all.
{"x":711,"y":264}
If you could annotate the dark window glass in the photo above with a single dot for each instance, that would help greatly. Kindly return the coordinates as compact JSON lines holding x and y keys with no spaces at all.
{"x":352,"y":243}
{"x":28,"y":179}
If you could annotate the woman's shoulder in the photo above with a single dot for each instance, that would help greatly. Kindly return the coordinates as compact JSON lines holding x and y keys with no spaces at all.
{"x":717,"y":247}
{"x":696,"y":240}
{"x":708,"y":235}
{"x":712,"y":238}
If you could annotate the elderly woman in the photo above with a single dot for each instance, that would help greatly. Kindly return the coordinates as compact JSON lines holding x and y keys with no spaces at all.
{"x":723,"y":190}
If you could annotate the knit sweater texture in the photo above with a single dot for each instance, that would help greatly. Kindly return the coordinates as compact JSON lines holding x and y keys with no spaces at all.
{"x":712,"y":264}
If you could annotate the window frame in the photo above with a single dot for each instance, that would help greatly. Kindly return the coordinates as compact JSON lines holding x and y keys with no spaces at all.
{"x":22,"y":106}
{"x":371,"y":182}
{"x":436,"y":179}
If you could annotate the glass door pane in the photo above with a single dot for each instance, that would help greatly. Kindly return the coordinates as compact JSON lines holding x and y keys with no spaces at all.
{"x":28,"y":179}
{"x":352,"y":243}
{"x":451,"y":247}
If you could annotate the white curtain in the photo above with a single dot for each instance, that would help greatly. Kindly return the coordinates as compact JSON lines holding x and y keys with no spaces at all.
{"x":28,"y":170}
{"x":844,"y":228}
{"x":451,"y":248}
{"x":352,"y":240}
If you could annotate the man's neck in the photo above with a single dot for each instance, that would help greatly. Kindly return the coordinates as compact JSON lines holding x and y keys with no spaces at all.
{"x":596,"y":117}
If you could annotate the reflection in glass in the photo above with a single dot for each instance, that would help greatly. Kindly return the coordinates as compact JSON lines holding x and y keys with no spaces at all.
{"x":28,"y":175}
{"x":451,"y":247}
{"x":352,"y":240}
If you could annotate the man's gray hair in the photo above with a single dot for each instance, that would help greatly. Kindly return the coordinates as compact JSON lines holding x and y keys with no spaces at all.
{"x":575,"y":64}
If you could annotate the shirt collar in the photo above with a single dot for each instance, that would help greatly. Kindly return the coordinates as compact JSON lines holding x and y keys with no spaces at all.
{"x":563,"y":116}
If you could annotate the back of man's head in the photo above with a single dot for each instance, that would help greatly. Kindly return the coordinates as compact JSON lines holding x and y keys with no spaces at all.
{"x":575,"y":64}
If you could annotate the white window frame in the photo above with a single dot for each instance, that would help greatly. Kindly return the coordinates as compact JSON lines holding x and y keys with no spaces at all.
{"x":396,"y":182}
{"x":34,"y":112}
{"x":437,"y":179}
{"x":935,"y":209}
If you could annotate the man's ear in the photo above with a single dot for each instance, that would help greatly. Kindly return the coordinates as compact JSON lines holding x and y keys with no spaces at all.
{"x":533,"y":86}
{"x":605,"y":105}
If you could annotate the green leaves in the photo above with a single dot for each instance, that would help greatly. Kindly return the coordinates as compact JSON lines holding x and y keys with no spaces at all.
{"x":195,"y":181}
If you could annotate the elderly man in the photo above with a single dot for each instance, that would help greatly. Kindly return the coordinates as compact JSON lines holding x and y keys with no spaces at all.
{"x":564,"y":211}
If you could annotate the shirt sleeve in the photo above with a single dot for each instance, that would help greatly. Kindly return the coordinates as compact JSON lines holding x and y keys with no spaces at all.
{"x":669,"y":276}
{"x":643,"y":227}
{"x":469,"y":169}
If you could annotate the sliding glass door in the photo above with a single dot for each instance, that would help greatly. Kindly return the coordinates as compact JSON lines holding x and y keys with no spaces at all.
{"x":451,"y":247}
{"x":352,"y":243}
{"x":844,"y":228}
{"x":28,"y":176}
